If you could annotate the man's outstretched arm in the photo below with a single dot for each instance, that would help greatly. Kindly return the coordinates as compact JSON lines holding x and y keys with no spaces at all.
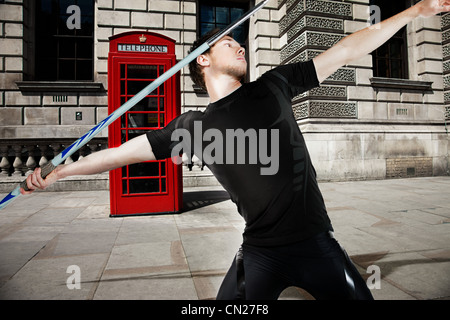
{"x":363,"y":42}
{"x":133,"y":151}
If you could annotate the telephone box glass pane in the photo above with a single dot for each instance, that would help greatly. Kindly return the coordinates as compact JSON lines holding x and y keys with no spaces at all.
{"x":147,"y":169}
{"x":124,"y":186}
{"x":147,"y":104}
{"x":163,"y":168}
{"x":144,"y":186}
{"x":142,"y":72}
{"x":142,"y":120}
{"x":134,"y":87}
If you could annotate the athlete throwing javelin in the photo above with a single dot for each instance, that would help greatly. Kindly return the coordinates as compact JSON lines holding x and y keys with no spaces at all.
{"x":288,"y":236}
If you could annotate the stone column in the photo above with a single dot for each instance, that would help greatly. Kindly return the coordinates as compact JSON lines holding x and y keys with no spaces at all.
{"x":309,"y":28}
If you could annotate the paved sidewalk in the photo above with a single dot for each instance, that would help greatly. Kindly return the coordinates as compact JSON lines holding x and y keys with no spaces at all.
{"x":400,"y":226}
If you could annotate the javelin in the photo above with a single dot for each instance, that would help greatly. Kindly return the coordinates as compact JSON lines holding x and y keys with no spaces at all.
{"x":51,"y":165}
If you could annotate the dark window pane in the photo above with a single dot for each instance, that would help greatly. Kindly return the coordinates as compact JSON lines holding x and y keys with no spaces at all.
{"x":222,"y":15}
{"x":47,"y":69}
{"x":64,"y":4}
{"x":86,"y":6}
{"x":144,"y":186}
{"x":147,"y":104}
{"x":163,"y":168}
{"x":135,"y":87}
{"x":142,"y":72}
{"x":396,"y":69}
{"x":124,"y":186}
{"x":46,"y":6}
{"x":148,"y":169}
{"x":84,"y":70}
{"x":123,"y":121}
{"x":66,"y":70}
{"x":206,"y":27}
{"x":382,"y":68}
{"x":143,"y":120}
{"x":207,"y":13}
{"x":396,"y":49}
{"x":236,"y":13}
{"x":66,"y":48}
{"x":84,"y":49}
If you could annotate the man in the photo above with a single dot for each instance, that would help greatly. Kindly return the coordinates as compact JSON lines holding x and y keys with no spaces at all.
{"x":288,"y":236}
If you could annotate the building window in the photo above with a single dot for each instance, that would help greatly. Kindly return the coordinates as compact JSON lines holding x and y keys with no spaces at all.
{"x":391,"y":59}
{"x":219,"y":14}
{"x":64,"y":40}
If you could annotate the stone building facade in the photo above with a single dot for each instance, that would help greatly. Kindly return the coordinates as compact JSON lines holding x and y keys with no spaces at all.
{"x":358,"y":125}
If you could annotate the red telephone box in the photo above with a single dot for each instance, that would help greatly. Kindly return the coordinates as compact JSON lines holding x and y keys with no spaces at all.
{"x":135,"y":60}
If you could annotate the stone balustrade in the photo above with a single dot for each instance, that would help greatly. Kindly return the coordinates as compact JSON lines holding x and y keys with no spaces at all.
{"x":20,"y":157}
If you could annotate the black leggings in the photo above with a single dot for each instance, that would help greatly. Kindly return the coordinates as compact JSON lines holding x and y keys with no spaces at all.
{"x":318,"y":265}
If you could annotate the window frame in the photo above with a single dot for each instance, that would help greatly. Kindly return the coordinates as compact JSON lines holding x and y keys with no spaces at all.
{"x":401,"y":35}
{"x":56,"y":39}
{"x":243,"y":4}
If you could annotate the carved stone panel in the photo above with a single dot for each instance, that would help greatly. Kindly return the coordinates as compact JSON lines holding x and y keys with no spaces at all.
{"x":325,"y":109}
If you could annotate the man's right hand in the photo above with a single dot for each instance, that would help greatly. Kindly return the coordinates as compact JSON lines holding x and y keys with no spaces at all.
{"x":35,"y":181}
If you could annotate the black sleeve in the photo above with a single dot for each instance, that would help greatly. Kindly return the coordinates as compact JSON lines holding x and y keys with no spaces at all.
{"x":161,"y":140}
{"x":299,"y":77}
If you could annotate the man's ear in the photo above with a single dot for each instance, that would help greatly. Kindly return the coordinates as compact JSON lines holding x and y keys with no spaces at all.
{"x":203,"y":60}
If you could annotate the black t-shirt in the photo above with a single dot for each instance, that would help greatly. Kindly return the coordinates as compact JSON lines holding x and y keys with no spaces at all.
{"x":271,"y":180}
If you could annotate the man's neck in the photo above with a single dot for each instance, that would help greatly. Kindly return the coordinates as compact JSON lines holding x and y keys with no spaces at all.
{"x":221,"y":87}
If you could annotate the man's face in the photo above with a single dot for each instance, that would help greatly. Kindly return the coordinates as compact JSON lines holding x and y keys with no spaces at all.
{"x":227,"y":56}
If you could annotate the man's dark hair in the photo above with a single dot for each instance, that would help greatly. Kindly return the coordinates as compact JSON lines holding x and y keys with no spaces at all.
{"x":195,"y":70}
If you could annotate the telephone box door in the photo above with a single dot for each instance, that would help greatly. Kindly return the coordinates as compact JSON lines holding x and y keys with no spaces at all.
{"x":151,"y":187}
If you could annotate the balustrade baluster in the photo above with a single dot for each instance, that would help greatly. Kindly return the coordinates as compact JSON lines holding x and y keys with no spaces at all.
{"x":4,"y":163}
{"x":17,"y":164}
{"x":43,"y":160}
